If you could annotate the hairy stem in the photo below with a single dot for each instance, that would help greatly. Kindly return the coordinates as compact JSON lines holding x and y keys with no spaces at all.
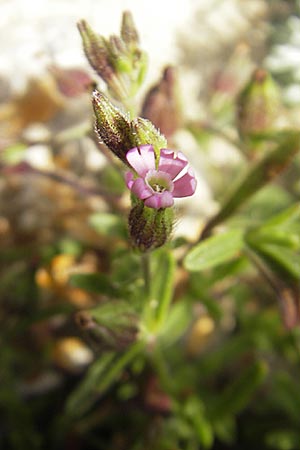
{"x":146,"y":274}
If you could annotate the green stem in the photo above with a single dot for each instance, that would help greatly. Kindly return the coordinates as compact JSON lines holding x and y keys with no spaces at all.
{"x":287,"y":299}
{"x":117,"y":367}
{"x":146,"y":274}
{"x":261,"y":172}
{"x":163,"y":372}
{"x":166,"y":295}
{"x":237,"y":143}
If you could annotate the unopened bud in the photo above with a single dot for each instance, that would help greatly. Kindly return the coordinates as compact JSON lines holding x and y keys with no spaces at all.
{"x":112,"y":325}
{"x":119,"y":55}
{"x":97,"y":52}
{"x":71,"y":82}
{"x":129,"y":32}
{"x":118,"y":60}
{"x":112,"y":126}
{"x":149,"y":228}
{"x":162,"y":105}
{"x":144,"y":132}
{"x":258,"y":105}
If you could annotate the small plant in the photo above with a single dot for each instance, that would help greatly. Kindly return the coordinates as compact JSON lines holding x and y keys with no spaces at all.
{"x":194,"y":341}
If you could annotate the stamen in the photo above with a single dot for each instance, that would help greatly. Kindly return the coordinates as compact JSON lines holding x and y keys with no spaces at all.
{"x":157,"y":187}
{"x":159,"y":182}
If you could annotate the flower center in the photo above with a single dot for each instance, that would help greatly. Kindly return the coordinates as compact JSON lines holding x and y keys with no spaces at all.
{"x":159,"y":181}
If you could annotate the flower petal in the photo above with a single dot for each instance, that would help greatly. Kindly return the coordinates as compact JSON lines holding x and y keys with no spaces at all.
{"x":166,"y":199}
{"x":140,"y":189}
{"x":142,"y":159}
{"x":129,"y":179}
{"x":173,"y":166}
{"x":186,"y":185}
{"x":157,"y":201}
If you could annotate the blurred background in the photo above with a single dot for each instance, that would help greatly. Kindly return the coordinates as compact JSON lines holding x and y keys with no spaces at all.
{"x":63,"y":213}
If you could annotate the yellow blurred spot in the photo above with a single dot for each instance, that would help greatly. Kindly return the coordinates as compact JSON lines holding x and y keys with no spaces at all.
{"x":61,"y":267}
{"x":56,"y":278}
{"x":204,"y":326}
{"x":43,"y":279}
{"x":78,"y":297}
{"x":4,"y":226}
{"x":71,"y":354}
{"x":40,"y":102}
{"x":200,"y":333}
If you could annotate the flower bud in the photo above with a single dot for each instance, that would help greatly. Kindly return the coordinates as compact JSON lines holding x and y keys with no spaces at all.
{"x":112,"y":127}
{"x":162,"y":105}
{"x":97,"y":52}
{"x":149,"y":228}
{"x":118,"y":60}
{"x":144,"y":132}
{"x":258,"y":105}
{"x":112,"y":325}
{"x":70,"y":82}
{"x":129,"y":32}
{"x":120,"y":55}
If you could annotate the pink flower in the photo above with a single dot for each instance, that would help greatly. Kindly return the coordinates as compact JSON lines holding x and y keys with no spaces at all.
{"x":159,"y":184}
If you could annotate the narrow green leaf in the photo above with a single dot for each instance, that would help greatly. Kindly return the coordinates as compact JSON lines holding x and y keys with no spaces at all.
{"x":238,"y":394}
{"x":283,"y":439}
{"x":225,"y":430}
{"x":259,"y":174}
{"x":100,"y":376}
{"x":285,"y":218}
{"x":96,"y":283}
{"x":204,"y":431}
{"x":83,"y":396}
{"x":277,"y":242}
{"x":286,"y":394}
{"x":179,"y":317}
{"x":108,"y":224}
{"x":272,"y":236}
{"x":214,"y":251}
{"x":232,"y":349}
{"x":162,"y":286}
{"x":281,"y":258}
{"x":118,"y":366}
{"x":112,"y":311}
{"x":265,"y":204}
{"x":112,"y":324}
{"x":195,"y":413}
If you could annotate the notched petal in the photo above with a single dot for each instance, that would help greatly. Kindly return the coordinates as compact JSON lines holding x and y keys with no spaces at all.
{"x":129,"y":179}
{"x":186,"y":185}
{"x":158,"y":201}
{"x":166,"y":199}
{"x":140,"y":189}
{"x":170,"y":163}
{"x":141,"y":159}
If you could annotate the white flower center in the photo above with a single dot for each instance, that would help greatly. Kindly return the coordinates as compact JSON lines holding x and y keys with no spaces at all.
{"x":159,"y":181}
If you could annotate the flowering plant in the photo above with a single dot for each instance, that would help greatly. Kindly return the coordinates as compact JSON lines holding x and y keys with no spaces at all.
{"x":157,"y":175}
{"x":158,"y":185}
{"x":111,"y":306}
